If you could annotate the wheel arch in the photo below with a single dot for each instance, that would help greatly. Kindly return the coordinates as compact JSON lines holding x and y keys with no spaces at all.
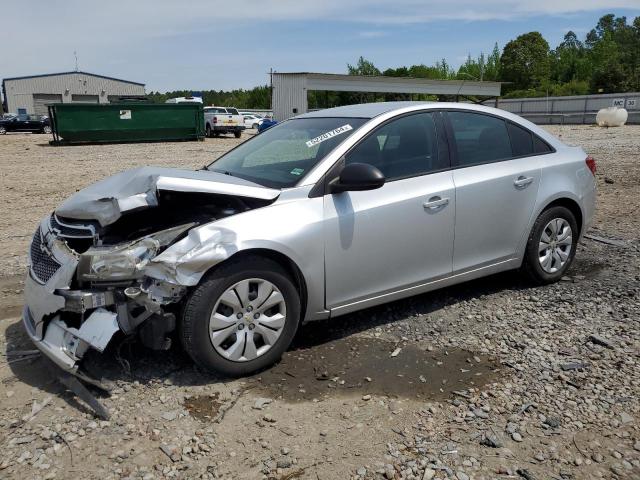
{"x":561,"y":199}
{"x":571,"y":205}
{"x":281,"y":259}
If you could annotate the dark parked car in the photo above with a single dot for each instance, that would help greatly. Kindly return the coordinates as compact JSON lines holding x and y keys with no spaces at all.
{"x":25,"y":123}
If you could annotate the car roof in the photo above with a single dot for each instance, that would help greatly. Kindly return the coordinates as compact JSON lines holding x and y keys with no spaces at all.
{"x":371,"y":110}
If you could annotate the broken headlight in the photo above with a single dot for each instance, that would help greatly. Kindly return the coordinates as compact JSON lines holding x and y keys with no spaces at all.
{"x":125,"y":261}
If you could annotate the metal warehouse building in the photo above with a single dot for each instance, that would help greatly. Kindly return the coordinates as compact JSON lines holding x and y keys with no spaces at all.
{"x":32,"y":94}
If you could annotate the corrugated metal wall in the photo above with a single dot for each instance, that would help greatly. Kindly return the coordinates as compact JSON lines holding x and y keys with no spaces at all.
{"x":289,"y":96}
{"x":20,"y":92}
{"x":577,"y":109}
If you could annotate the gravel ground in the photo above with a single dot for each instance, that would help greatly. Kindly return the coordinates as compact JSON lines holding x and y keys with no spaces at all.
{"x":493,"y":378}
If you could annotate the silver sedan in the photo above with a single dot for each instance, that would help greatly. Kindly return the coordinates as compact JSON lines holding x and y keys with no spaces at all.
{"x":325,"y":214}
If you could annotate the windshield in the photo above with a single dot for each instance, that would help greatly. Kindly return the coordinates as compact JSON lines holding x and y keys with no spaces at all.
{"x":284,"y":154}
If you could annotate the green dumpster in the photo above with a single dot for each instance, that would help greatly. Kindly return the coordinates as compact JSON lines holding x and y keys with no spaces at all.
{"x":125,"y":122}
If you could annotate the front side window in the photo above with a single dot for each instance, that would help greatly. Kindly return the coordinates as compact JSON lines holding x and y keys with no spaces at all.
{"x":405,"y":147}
{"x":283,"y":155}
{"x":479,"y":138}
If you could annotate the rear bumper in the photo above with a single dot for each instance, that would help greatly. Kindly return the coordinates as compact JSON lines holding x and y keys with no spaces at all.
{"x":228,"y":128}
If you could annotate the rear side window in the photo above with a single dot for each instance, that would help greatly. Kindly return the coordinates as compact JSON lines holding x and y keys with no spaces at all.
{"x":232,"y":111}
{"x":521,"y":140}
{"x":540,"y":146}
{"x":479,"y":138}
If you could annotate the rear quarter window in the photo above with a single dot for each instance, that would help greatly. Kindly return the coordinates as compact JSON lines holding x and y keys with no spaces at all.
{"x":540,"y":146}
{"x":521,"y":140}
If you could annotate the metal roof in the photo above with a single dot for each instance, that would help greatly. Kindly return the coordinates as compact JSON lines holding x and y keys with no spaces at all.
{"x":71,"y":73}
{"x":387,"y":84}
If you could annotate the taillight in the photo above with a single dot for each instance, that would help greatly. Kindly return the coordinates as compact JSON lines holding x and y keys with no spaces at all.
{"x":215,"y":119}
{"x":591,"y":164}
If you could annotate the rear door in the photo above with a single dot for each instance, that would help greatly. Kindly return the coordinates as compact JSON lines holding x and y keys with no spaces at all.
{"x":400,"y":235}
{"x":496,"y":186}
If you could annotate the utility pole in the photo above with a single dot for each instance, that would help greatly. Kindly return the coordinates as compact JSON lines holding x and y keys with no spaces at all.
{"x":271,"y":88}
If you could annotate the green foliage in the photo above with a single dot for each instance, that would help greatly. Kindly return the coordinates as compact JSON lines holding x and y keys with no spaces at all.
{"x":257,"y":97}
{"x":525,"y":62}
{"x":363,"y":67}
{"x":608,"y":60}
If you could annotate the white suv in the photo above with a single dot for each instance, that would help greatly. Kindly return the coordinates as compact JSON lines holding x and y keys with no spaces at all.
{"x":223,"y":120}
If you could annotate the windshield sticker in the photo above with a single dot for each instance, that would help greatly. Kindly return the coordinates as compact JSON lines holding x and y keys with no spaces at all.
{"x":326,"y":136}
{"x":297,"y":171}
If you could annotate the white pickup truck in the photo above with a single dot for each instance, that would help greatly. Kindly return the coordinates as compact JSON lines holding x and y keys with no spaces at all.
{"x":219,"y":120}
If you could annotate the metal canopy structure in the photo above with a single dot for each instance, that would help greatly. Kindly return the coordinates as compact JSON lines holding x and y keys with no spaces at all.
{"x":289,"y":97}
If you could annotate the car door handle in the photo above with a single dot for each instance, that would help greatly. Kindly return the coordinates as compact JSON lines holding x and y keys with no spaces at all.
{"x":435,"y":202}
{"x":522,"y":181}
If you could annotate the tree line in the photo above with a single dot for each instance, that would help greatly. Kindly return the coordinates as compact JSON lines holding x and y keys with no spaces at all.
{"x":607,"y":60}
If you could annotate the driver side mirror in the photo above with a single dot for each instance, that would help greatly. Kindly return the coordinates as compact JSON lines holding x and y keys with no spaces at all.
{"x":357,"y":177}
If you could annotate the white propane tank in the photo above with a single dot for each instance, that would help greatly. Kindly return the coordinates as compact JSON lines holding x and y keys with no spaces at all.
{"x":611,"y":117}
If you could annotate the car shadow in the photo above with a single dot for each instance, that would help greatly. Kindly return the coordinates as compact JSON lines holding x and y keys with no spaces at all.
{"x":127,"y":361}
{"x":319,"y":332}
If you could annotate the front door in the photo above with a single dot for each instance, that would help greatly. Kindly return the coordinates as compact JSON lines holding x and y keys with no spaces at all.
{"x":401,"y":234}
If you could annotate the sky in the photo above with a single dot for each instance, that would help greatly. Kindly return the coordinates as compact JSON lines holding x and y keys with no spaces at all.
{"x":209,"y":44}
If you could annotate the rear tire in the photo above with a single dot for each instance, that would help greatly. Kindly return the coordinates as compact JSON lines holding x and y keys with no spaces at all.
{"x":207,"y":131}
{"x":3,"y":131}
{"x":47,"y":130}
{"x":551,"y":246}
{"x":237,"y":133}
{"x":236,"y":323}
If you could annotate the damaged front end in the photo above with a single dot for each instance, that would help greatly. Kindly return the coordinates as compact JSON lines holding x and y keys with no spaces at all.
{"x":79,"y":300}
{"x":90,"y":280}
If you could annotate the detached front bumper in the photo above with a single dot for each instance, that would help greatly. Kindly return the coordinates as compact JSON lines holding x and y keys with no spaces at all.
{"x":65,"y":345}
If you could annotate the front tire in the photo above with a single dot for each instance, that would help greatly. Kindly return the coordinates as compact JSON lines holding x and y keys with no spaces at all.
{"x":241,"y":318}
{"x":551,"y":246}
{"x":3,"y":131}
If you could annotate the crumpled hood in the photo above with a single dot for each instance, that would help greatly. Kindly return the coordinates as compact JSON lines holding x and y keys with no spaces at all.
{"x":106,"y":200}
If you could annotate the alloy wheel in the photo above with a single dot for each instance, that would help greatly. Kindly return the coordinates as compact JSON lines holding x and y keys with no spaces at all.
{"x":247,"y":320}
{"x":47,"y":129}
{"x":555,"y":245}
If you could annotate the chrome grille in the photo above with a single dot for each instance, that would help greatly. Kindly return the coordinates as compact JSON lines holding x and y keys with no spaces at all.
{"x":67,"y":230}
{"x":43,"y":265}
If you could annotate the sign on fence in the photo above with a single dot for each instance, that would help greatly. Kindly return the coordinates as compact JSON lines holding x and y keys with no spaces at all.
{"x":631,"y":103}
{"x":617,"y":102}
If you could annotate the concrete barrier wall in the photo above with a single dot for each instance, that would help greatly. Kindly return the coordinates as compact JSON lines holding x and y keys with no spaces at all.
{"x":578,"y":109}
